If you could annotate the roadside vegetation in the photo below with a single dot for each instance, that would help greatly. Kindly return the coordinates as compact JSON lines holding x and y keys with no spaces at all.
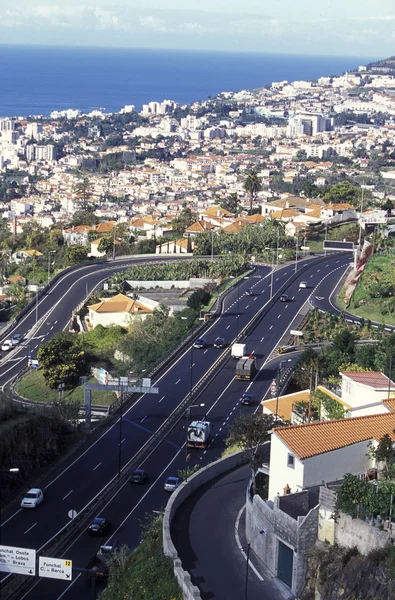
{"x":145,"y":573}
{"x":373,"y":297}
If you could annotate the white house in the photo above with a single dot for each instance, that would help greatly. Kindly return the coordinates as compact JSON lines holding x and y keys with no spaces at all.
{"x":366,"y":393}
{"x":118,"y":310}
{"x":303,"y":456}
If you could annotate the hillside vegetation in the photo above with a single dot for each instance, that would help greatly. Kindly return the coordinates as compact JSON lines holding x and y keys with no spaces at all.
{"x":374,"y":295}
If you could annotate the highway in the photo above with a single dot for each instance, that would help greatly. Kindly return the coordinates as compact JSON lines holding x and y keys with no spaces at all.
{"x":83,"y":476}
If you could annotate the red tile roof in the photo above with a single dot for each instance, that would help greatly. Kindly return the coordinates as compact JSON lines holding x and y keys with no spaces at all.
{"x":373,"y":379}
{"x":312,"y":439}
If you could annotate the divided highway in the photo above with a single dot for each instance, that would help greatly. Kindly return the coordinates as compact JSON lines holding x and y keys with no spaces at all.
{"x":84,"y":475}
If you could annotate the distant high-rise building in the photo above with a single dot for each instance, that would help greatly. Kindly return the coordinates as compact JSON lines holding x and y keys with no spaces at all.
{"x":7,"y":125}
{"x":35,"y":152}
{"x":308,"y":124}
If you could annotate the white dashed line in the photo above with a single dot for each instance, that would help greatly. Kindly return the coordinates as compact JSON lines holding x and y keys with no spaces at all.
{"x":228,"y":327}
{"x":143,"y":419}
{"x":178,"y":381}
{"x":67,"y":495}
{"x":262,"y":339}
{"x":98,"y":465}
{"x":163,"y":397}
{"x":30,"y":528}
{"x":271,"y":327}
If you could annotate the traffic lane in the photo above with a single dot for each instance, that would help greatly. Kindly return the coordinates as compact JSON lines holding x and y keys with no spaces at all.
{"x":126,"y":512}
{"x":203,"y":532}
{"x":34,"y":527}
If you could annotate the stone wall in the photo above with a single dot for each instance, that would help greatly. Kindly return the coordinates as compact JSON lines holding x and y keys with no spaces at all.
{"x":355,"y":532}
{"x":300,"y":534}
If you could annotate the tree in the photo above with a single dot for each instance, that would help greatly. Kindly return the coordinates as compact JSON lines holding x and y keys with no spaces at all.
{"x":385,"y":451}
{"x":106,"y":244}
{"x":248,"y":433}
{"x":81,"y":217}
{"x":232,"y":204}
{"x":185,"y":219}
{"x":252,"y":185}
{"x":83,"y":191}
{"x":342,"y":192}
{"x":76,"y":254}
{"x":388,"y":205}
{"x":62,"y":360}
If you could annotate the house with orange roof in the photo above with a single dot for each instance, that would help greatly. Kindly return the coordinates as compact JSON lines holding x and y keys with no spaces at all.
{"x":118,"y":310}
{"x":182,"y":246}
{"x":366,"y":392}
{"x":201,"y":226}
{"x":303,"y":456}
{"x":77,"y":235}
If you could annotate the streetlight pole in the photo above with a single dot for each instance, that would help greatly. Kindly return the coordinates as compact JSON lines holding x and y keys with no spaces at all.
{"x":49,"y":263}
{"x":212,"y":244}
{"x":296,"y":256}
{"x":113,"y":244}
{"x":360,"y":222}
{"x":120,"y":435}
{"x":36,"y":306}
{"x":272,"y":273}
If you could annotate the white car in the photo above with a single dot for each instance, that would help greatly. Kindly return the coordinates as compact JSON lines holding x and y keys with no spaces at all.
{"x":172,"y":483}
{"x":303,"y":285}
{"x":32,"y":498}
{"x":7,"y":345}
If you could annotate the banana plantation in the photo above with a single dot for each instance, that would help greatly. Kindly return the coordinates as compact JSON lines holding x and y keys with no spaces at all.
{"x":184,"y":270}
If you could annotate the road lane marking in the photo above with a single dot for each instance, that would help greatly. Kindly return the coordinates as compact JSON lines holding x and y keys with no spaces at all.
{"x":262,"y":339}
{"x":30,"y":528}
{"x":163,"y":397}
{"x":178,"y":381}
{"x":98,"y":465}
{"x":67,"y":495}
{"x":123,"y":440}
{"x":143,"y":419}
{"x":228,"y":327}
{"x":205,"y":351}
{"x":271,"y":327}
{"x":192,"y":365}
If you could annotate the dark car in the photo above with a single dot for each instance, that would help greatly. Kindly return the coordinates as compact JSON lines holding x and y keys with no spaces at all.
{"x":249,"y":292}
{"x":219,"y":342}
{"x":284,"y":298}
{"x":139,"y":476}
{"x":16,"y":339}
{"x":247,"y":399}
{"x":200,"y":343}
{"x":99,"y":526}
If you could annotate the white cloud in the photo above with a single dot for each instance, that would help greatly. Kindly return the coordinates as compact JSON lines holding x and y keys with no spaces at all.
{"x":153,"y":23}
{"x":50,"y":15}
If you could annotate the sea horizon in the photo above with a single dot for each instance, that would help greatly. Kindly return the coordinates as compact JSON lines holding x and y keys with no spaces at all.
{"x":88,"y":77}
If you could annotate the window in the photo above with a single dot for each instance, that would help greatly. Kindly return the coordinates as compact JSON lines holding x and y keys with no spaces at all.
{"x":291,"y":461}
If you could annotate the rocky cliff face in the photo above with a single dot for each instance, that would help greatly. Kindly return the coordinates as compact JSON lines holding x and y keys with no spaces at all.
{"x":338,"y":573}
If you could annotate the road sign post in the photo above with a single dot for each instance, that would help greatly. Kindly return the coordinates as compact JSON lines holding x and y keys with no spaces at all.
{"x":17,"y":560}
{"x":55,"y":568}
{"x":273,"y":387}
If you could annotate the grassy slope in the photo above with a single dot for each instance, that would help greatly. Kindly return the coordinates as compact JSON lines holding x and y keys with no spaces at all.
{"x":372,"y":308}
{"x":34,"y":388}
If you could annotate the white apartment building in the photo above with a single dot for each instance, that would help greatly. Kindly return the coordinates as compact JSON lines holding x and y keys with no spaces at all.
{"x":307,"y":124}
{"x":36,"y":152}
{"x":6,"y":125}
{"x":34,"y":130}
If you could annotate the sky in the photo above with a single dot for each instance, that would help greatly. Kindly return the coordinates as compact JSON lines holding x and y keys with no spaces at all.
{"x":323,"y":27}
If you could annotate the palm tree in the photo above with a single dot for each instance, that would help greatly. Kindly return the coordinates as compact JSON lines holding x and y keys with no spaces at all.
{"x":252,"y":185}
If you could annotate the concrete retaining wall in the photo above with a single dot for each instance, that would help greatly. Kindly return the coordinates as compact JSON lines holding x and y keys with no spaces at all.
{"x":168,"y":285}
{"x":219,"y":467}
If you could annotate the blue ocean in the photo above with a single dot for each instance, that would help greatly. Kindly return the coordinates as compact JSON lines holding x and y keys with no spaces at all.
{"x":36,"y":80}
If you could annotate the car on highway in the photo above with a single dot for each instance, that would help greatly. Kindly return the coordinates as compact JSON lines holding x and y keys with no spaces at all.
{"x":249,"y":292}
{"x":32,"y":498}
{"x":247,"y":399}
{"x":139,"y":476}
{"x":303,"y":285}
{"x":284,"y":298}
{"x":219,"y":342}
{"x":171,"y":484}
{"x":200,"y":343}
{"x":16,"y":339}
{"x":6,"y":345}
{"x":99,"y":526}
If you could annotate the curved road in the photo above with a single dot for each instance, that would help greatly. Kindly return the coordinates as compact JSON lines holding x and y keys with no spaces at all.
{"x":84,"y":475}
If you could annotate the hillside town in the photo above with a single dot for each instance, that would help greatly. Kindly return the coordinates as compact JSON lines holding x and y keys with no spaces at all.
{"x":142,"y":168}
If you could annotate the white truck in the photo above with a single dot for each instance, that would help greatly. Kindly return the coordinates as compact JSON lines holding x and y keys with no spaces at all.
{"x":199,"y":434}
{"x":239,"y":350}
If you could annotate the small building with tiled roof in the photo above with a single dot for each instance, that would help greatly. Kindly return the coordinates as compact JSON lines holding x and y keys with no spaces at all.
{"x":199,"y":227}
{"x":366,"y":388}
{"x":302,"y":456}
{"x":118,"y":310}
{"x":216,"y":211}
{"x":181,"y":246}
